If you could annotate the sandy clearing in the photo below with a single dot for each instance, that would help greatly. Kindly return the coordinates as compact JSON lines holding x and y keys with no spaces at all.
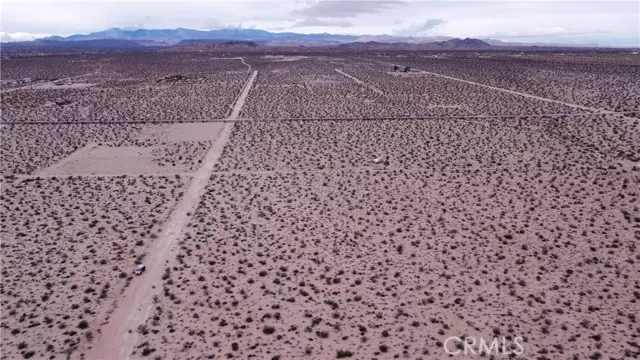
{"x":118,"y":337}
{"x":68,"y":161}
{"x":110,"y":160}
{"x":102,"y":159}
{"x":284,"y":57}
{"x":196,"y":131}
{"x":360,"y":82}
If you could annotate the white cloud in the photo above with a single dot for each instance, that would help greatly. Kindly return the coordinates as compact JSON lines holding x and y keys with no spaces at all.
{"x":420,"y":29}
{"x":20,"y":36}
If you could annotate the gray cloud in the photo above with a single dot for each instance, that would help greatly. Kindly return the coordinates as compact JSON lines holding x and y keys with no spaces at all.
{"x":420,"y":28}
{"x":314,"y":21}
{"x":349,"y":8}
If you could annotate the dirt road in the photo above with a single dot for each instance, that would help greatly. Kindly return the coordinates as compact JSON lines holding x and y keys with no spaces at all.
{"x":237,"y":108}
{"x":119,"y":336}
{"x":370,"y":87}
{"x":233,"y":58}
{"x":575,"y":106}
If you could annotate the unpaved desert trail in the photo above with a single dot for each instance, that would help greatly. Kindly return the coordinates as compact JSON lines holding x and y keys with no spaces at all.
{"x":242,"y":60}
{"x":234,"y":58}
{"x":235,"y":113}
{"x":360,"y":82}
{"x":119,"y":336}
{"x":575,"y":106}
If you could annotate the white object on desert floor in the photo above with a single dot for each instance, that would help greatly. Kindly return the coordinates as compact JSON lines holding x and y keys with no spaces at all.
{"x":377,"y":160}
{"x":140,"y":269}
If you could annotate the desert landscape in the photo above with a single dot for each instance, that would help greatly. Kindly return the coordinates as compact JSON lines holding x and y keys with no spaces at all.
{"x":363,"y":205}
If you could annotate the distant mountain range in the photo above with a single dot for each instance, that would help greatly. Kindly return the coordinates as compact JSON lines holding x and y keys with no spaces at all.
{"x":168,"y":37}
{"x":181,"y":39}
{"x":173,"y":36}
{"x":452,"y":44}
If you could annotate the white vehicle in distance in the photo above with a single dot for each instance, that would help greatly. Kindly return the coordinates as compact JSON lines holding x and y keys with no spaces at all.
{"x":139,"y":269}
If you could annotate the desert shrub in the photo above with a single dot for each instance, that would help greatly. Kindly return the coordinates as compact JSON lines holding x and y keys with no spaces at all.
{"x":341,"y":354}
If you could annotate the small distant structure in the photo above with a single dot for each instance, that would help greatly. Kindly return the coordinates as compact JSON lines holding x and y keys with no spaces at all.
{"x":172,"y":78}
{"x":26,"y":80}
{"x":62,"y":102}
{"x":406,"y":69}
{"x":377,"y":160}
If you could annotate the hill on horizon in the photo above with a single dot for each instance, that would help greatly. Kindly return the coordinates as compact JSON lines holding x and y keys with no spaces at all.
{"x":182,"y":39}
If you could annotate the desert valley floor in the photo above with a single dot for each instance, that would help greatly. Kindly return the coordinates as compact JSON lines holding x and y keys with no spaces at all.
{"x":320,"y":206}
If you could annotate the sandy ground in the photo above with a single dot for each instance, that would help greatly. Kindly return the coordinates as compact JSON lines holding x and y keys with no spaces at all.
{"x":517,"y":92}
{"x":75,"y":243}
{"x":360,"y":238}
{"x":308,"y":89}
{"x":284,"y":58}
{"x":401,"y":261}
{"x":191,"y":98}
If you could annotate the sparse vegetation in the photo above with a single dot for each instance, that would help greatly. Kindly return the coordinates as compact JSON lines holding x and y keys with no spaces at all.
{"x":357,"y":238}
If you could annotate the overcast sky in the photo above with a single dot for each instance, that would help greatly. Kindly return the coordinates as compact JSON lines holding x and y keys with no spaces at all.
{"x":569,"y":21}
